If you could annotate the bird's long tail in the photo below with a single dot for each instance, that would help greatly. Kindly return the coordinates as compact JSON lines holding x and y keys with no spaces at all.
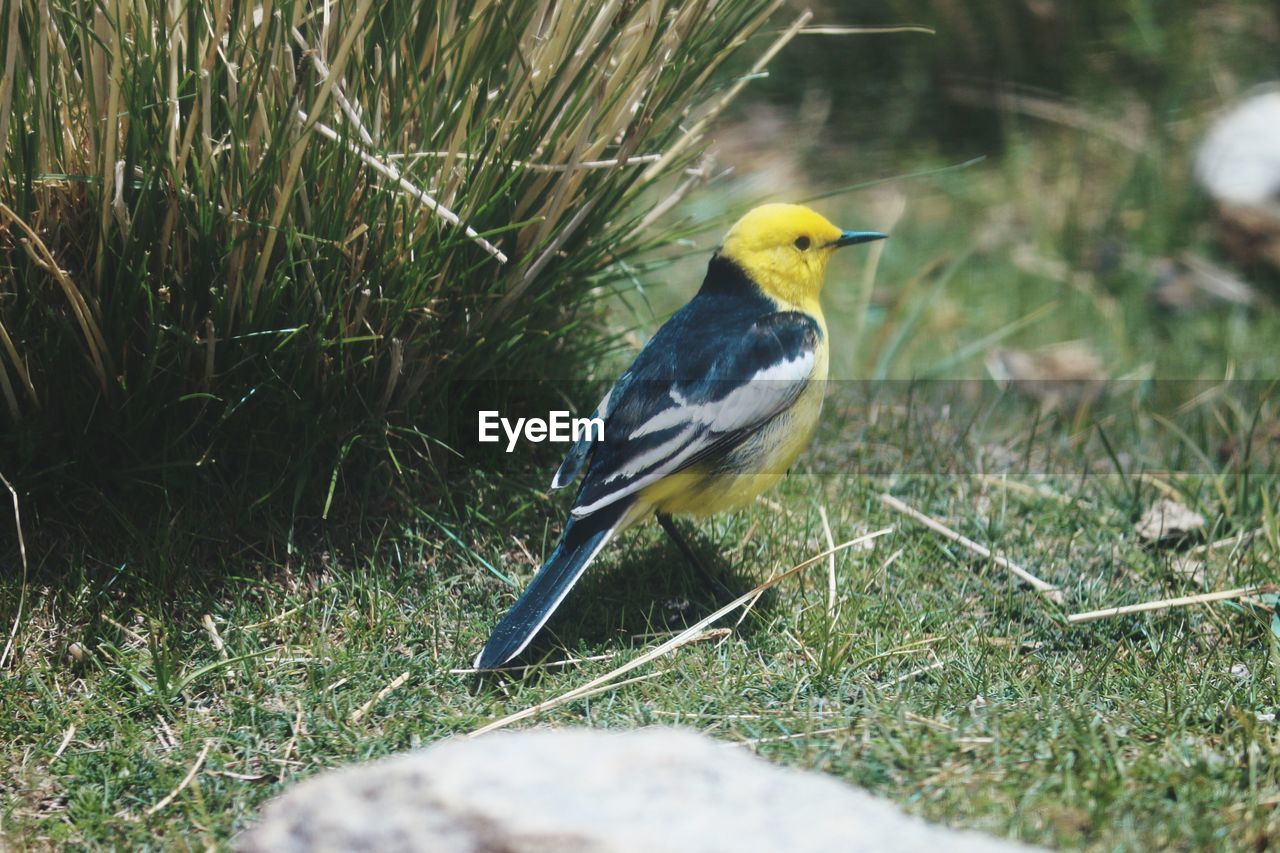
{"x":581,"y":541}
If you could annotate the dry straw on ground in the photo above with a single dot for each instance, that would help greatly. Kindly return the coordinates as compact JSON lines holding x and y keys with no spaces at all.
{"x":1048,"y":589}
{"x":1166,"y":603}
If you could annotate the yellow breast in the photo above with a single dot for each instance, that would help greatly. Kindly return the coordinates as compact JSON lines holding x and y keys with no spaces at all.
{"x":756,"y":465}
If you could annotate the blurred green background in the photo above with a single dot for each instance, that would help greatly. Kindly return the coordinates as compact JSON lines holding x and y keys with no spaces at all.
{"x":1032,"y":161}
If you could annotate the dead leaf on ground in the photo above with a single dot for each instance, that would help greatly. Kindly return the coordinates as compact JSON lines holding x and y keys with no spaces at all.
{"x":1069,"y":372}
{"x":1190,"y":281}
{"x":1166,"y":522}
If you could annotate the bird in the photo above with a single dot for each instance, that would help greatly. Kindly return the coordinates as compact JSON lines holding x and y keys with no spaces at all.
{"x":710,"y":414}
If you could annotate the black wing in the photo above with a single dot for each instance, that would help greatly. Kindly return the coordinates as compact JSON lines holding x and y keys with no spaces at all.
{"x":701,"y":384}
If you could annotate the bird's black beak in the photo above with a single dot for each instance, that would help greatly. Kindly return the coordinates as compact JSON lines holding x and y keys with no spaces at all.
{"x":849,"y":238}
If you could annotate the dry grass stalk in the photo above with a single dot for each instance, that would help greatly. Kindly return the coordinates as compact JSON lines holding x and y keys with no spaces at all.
{"x":394,"y":685}
{"x":111,"y":139}
{"x":691,"y":634}
{"x":1166,"y":603}
{"x":676,"y":196}
{"x":286,"y":197}
{"x":6,"y":81}
{"x":858,"y":31}
{"x":613,"y":163}
{"x":277,"y":618}
{"x":10,"y":398}
{"x":66,"y":741}
{"x":1242,"y":538}
{"x":188,"y":136}
{"x":296,"y":732}
{"x":22,"y":552}
{"x":133,"y":635}
{"x":907,"y":676}
{"x":211,"y":629}
{"x":1131,"y":136}
{"x":831,"y":562}
{"x":705,"y":636}
{"x":85,"y":316}
{"x":694,"y":133}
{"x":756,"y":741}
{"x":186,"y":780}
{"x":1039,"y":585}
{"x":1167,"y":489}
{"x":587,"y":694}
{"x":164,"y":734}
{"x":388,"y":170}
{"x":887,"y":219}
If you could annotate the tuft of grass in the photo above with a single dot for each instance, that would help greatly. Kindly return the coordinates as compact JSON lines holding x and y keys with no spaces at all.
{"x":259,"y":244}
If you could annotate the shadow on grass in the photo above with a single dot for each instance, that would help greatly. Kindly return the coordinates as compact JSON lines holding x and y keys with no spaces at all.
{"x":646,"y":592}
{"x":105,"y":566}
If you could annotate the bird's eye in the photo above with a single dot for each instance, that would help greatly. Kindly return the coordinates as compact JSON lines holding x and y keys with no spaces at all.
{"x":802,"y":243}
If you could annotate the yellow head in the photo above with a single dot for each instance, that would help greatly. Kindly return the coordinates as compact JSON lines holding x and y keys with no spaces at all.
{"x":785,"y":248}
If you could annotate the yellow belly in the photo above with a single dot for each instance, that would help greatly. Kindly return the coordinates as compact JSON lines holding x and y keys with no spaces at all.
{"x":757,"y":465}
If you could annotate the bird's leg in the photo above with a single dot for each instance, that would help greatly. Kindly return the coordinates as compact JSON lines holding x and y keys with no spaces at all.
{"x":690,"y":556}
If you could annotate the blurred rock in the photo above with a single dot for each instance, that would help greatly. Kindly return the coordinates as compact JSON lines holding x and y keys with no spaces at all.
{"x":1239,"y":160}
{"x":573,"y":791}
{"x":1067,"y":373}
{"x":1238,"y":164}
{"x":1168,"y":522}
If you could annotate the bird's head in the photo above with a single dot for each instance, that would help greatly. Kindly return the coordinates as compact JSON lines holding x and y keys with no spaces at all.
{"x":785,"y":248}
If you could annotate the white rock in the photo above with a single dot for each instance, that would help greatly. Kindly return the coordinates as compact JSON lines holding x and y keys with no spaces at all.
{"x":1239,"y":160}
{"x":574,"y":791}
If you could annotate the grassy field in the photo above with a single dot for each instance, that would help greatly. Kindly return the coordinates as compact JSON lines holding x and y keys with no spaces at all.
{"x":930,"y":677}
{"x":163,"y":687}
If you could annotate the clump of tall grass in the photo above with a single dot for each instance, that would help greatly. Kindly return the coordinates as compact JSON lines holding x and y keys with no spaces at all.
{"x":238,"y":235}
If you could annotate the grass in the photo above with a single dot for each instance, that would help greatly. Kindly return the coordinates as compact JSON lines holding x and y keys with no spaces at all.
{"x":934,"y":680}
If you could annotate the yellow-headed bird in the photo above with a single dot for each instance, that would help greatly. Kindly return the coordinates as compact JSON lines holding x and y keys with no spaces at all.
{"x":710,"y":414}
